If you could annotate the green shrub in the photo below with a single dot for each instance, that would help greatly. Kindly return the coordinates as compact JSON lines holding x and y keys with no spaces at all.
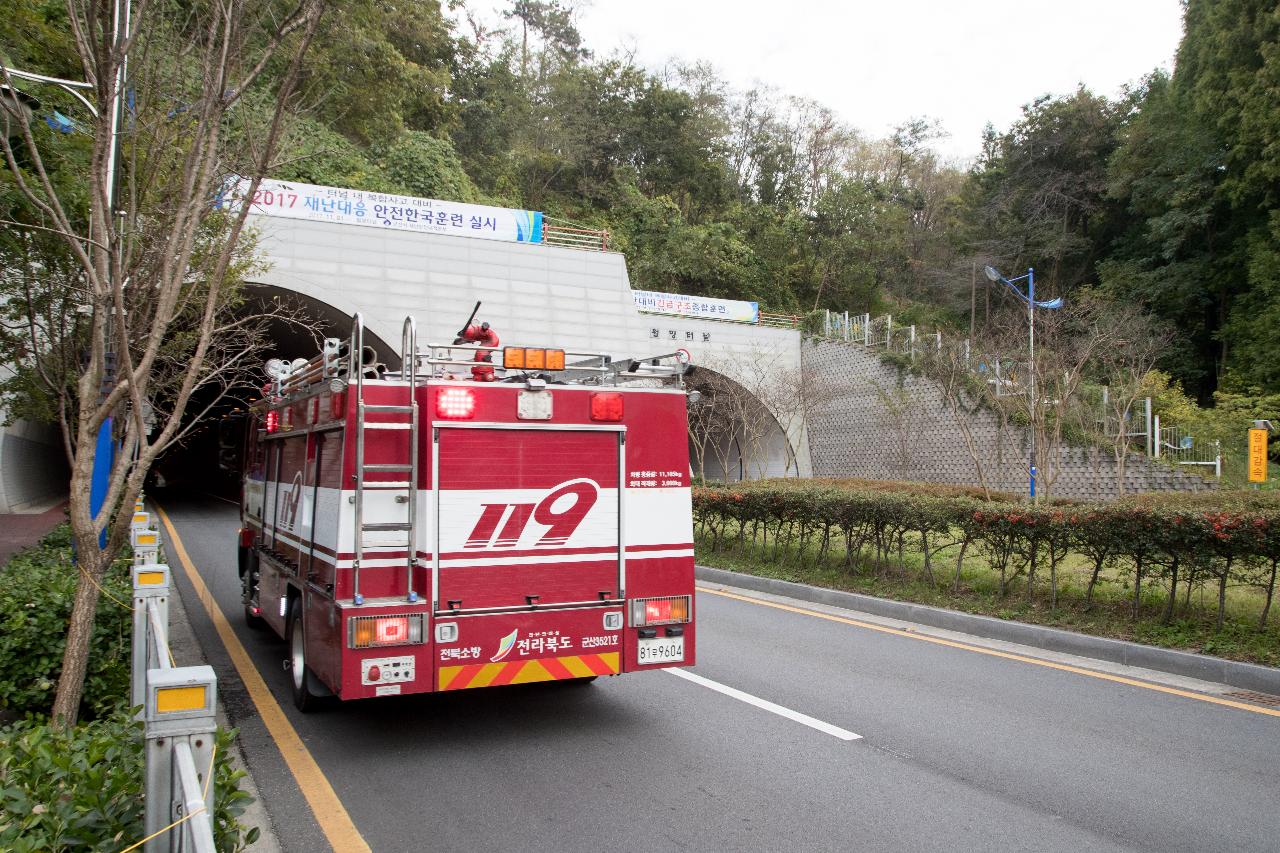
{"x":79,"y":789}
{"x":71,"y":790}
{"x":37,"y":587}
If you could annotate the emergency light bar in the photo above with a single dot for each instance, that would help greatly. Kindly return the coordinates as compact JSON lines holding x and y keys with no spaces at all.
{"x":455,"y":403}
{"x":527,"y":358}
{"x":606,"y":406}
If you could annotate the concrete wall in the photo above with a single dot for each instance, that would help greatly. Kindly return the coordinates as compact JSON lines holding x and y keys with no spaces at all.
{"x":33,"y":466}
{"x":882,"y":424}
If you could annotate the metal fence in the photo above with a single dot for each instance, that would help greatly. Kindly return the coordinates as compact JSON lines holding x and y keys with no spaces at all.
{"x":780,"y":321}
{"x":1137,"y":426}
{"x":1181,"y":448}
{"x":177,"y":709}
{"x":575,"y":238}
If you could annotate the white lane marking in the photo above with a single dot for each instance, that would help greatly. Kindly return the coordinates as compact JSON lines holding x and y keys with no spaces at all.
{"x":802,"y":719}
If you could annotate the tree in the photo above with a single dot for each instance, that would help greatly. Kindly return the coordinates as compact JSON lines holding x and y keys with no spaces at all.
{"x":1125,"y":366}
{"x":153,"y":269}
{"x":1040,"y":189}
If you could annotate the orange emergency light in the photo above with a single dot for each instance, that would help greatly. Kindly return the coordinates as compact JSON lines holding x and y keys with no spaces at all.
{"x":530,"y":358}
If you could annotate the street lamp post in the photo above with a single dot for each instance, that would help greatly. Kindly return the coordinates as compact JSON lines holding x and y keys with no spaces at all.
{"x":1030,"y":298}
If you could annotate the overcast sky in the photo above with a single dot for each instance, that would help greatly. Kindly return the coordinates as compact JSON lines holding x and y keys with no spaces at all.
{"x":876,"y":63}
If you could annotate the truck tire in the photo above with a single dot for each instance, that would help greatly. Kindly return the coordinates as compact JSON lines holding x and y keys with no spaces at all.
{"x":306,"y":688}
{"x":249,"y":592}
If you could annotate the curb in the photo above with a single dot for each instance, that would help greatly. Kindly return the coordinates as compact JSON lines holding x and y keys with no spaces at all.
{"x":187,"y":650}
{"x":1247,"y":676}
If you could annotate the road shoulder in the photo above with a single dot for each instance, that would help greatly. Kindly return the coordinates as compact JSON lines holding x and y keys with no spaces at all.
{"x":187,"y":651}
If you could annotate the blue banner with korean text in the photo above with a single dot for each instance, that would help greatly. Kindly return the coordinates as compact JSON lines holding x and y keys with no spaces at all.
{"x":702,"y":307}
{"x":293,"y":200}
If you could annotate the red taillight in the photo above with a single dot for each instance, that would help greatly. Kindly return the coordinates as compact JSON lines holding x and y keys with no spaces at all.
{"x":455,"y":403}
{"x":606,"y":406}
{"x":338,"y":404}
{"x":273,"y":420}
{"x":246,"y":537}
{"x":669,"y":610}
{"x":370,"y":631}
{"x":391,"y":630}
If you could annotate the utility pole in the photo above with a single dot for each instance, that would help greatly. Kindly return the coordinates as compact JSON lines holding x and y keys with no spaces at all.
{"x":1031,"y":370}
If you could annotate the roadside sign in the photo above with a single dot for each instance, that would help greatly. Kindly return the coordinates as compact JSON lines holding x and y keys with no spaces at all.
{"x":1257,"y":456}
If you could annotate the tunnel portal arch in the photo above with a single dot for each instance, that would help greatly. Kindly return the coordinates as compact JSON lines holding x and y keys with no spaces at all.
{"x":733,"y":435}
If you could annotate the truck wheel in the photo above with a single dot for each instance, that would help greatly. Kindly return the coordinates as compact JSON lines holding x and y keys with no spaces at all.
{"x":249,"y":592}
{"x":307,"y":689}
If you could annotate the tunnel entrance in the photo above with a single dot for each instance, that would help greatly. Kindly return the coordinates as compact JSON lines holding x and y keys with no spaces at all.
{"x":732,"y":434}
{"x":208,"y":460}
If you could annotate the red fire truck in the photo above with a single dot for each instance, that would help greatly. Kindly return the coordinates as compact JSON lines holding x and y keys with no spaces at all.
{"x":488,"y":516}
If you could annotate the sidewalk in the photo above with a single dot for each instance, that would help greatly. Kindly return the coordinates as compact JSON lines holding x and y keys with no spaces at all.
{"x":20,"y":530}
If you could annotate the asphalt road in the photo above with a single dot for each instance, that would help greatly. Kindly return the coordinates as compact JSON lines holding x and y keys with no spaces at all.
{"x":958,"y":750}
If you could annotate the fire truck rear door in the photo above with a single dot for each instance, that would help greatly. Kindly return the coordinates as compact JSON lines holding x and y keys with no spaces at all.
{"x":526,"y":517}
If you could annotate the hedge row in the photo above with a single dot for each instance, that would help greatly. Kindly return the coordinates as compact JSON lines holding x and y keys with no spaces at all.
{"x":1177,"y":542}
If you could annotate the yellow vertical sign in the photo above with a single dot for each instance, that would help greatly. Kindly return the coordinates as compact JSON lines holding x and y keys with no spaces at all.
{"x":1257,"y":456}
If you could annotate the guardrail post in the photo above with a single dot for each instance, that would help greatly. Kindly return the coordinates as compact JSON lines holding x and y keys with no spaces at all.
{"x":179,"y":736}
{"x":145,"y":541}
{"x":150,"y":585}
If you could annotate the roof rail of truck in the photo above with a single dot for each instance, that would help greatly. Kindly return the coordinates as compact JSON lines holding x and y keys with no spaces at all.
{"x":587,"y":368}
{"x":334,"y":365}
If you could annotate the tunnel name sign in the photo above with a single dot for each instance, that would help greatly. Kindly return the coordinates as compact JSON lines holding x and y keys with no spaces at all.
{"x":293,"y":200}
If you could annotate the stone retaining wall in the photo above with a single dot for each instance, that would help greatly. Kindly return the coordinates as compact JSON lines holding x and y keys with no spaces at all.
{"x":886,"y":424}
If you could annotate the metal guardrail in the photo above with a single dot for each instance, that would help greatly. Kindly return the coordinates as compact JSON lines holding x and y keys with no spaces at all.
{"x":176,"y":705}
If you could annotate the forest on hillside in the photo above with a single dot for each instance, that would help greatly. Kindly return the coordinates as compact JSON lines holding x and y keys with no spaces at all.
{"x":1165,"y":196}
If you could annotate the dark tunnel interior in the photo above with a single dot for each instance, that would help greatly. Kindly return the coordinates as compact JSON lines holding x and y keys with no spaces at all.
{"x":208,"y":460}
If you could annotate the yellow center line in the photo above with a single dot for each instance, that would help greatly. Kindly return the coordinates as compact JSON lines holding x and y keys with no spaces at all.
{"x":325,"y":805}
{"x":1119,"y":679}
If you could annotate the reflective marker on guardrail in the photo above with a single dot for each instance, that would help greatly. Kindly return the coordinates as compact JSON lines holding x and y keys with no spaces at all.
{"x":146,"y":544}
{"x":178,"y":694}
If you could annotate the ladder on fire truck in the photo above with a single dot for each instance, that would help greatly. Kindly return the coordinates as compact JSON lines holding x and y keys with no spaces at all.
{"x":407,"y":465}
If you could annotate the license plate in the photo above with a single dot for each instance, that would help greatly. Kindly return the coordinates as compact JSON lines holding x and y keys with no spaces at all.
{"x":660,"y":650}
